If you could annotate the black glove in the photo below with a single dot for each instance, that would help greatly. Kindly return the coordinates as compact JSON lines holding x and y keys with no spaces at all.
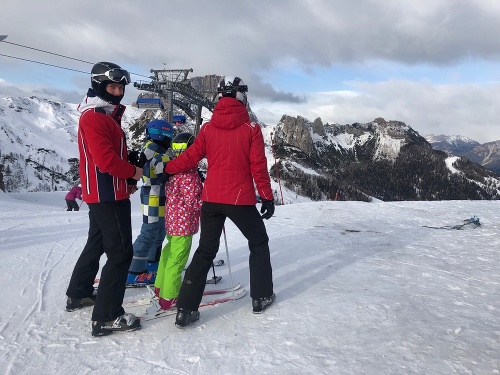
{"x":133,"y":157}
{"x":142,"y":160}
{"x":267,"y":209}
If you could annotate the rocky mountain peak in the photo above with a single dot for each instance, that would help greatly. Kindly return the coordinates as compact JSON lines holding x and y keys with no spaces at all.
{"x":296,"y":131}
{"x":318,"y":127}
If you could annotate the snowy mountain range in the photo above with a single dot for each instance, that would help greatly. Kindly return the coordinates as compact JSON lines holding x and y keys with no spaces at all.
{"x":455,"y":144}
{"x":487,"y":154}
{"x":387,"y":160}
{"x":38,"y":141}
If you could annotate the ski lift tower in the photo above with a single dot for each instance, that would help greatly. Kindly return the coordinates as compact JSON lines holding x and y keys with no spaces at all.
{"x":165,"y":79}
{"x":173,"y":86}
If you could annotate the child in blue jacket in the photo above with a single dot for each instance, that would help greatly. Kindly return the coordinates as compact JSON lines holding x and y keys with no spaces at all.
{"x":148,"y":245}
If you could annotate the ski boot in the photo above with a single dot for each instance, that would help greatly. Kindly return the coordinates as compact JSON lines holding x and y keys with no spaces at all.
{"x":186,"y":317}
{"x":260,"y":304}
{"x":145,"y":278}
{"x":124,"y":323}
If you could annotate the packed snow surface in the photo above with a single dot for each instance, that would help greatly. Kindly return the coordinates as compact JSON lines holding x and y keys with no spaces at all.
{"x":362,"y":288}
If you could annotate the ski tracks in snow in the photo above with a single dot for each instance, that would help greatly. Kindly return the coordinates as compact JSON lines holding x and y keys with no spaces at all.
{"x":52,"y":259}
{"x":39,"y":267}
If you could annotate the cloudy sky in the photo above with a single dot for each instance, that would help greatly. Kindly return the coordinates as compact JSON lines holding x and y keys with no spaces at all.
{"x":434,"y":64}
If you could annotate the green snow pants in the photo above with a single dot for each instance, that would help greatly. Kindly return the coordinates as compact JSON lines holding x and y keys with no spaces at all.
{"x":174,"y":257}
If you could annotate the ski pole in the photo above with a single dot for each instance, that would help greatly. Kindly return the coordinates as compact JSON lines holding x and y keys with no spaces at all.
{"x":277,"y":169}
{"x":228,"y":262}
{"x":213,"y":270}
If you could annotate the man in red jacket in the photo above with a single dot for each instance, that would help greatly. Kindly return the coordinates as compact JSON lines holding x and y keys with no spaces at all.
{"x":234,"y":148}
{"x":104,"y":171}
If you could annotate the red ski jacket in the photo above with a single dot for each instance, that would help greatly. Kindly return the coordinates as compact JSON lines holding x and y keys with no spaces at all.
{"x":234,"y":148}
{"x":104,"y":168}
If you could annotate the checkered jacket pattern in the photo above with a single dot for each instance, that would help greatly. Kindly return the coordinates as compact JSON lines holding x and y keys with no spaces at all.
{"x":153,"y":185}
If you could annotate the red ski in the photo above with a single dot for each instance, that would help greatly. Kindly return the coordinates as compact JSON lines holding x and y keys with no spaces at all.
{"x":147,"y":300}
{"x":240,"y":293}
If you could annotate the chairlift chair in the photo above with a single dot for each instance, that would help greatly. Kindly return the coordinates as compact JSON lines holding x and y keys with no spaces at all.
{"x":178,"y":119}
{"x":150,"y":103}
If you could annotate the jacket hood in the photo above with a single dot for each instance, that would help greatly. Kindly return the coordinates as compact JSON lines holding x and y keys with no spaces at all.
{"x":229,"y":113}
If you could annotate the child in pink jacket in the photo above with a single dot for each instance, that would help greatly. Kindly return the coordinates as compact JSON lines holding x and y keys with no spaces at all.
{"x":73,"y":194}
{"x":182,"y":215}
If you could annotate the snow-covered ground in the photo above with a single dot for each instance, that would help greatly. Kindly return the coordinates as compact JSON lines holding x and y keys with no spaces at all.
{"x":362,"y":288}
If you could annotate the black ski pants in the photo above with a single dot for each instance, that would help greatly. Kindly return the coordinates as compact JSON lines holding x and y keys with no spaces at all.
{"x":251,"y":225}
{"x":72,"y":205}
{"x":110,"y":233}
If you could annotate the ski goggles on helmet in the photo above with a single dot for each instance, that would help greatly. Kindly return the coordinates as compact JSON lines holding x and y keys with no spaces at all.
{"x":232,"y":89}
{"x":163,"y":132}
{"x":114,"y":75}
{"x":179,"y":147}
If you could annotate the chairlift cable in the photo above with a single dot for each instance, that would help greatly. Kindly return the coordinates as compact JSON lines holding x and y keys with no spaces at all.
{"x":42,"y":63}
{"x":50,"y":53}
{"x":55,"y":54}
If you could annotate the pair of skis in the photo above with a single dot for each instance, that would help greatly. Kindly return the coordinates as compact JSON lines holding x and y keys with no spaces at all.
{"x":216,"y":263}
{"x":147,"y":300}
{"x":232,"y":294}
{"x":213,"y":280}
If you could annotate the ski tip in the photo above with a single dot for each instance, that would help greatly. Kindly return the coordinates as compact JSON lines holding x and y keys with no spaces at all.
{"x":237,"y":294}
{"x":214,"y":280}
{"x":222,"y":290}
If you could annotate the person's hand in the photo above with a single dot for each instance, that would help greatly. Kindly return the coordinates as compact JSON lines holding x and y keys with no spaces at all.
{"x":138,"y":174}
{"x":132,"y":189}
{"x":267,"y":209}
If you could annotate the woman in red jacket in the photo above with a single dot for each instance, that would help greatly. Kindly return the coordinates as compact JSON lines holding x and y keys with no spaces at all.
{"x":234,"y":148}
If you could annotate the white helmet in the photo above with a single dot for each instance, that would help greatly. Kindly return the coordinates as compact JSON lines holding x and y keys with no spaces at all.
{"x":233,"y":88}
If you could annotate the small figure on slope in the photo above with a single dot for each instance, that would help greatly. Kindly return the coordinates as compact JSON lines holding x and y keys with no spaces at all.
{"x":74,"y":194}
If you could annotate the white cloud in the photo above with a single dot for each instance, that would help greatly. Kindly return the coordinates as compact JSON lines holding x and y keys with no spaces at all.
{"x":465,"y":109}
{"x":260,"y":40}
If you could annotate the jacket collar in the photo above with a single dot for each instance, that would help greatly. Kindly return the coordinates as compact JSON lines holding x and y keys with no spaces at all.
{"x":91,"y":101}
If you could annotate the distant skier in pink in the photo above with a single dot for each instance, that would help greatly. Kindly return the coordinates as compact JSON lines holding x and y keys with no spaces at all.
{"x":74,"y":194}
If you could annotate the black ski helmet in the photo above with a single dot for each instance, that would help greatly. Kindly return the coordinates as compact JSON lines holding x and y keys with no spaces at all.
{"x":102,"y":74}
{"x":181,"y":142}
{"x":233,"y":88}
